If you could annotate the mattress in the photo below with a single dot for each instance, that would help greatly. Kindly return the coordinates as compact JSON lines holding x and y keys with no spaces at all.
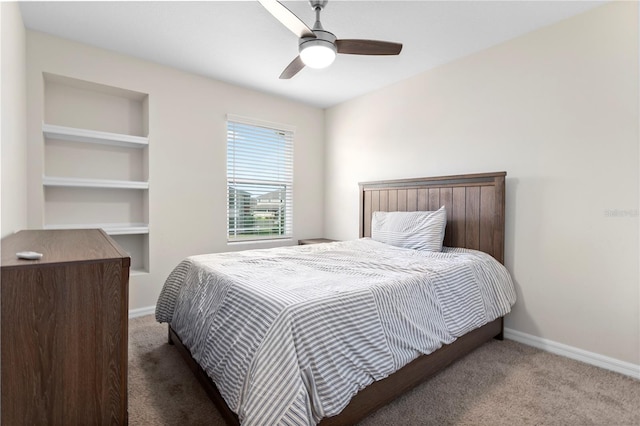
{"x":289,"y":335}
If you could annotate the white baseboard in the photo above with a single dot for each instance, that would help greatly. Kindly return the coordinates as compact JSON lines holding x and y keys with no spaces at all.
{"x":622,"y":367}
{"x":140,"y":312}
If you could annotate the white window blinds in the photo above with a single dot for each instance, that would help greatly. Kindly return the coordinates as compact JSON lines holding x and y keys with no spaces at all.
{"x":259,"y":180}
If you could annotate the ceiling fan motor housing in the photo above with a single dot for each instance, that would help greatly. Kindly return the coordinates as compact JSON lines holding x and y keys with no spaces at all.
{"x":322,"y":38}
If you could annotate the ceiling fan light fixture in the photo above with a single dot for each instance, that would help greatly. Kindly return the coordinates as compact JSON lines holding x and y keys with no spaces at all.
{"x":317,"y":53}
{"x":318,"y":47}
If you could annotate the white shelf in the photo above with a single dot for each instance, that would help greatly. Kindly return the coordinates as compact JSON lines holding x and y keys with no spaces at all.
{"x":134,"y":229}
{"x":93,"y":136}
{"x":109,"y":228}
{"x":93,"y":183}
{"x":97,"y":178}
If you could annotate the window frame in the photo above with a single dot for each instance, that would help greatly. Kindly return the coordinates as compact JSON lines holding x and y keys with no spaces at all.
{"x":285,"y":213}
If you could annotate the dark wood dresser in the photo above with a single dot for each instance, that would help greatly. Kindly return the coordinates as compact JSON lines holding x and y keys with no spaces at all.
{"x":64,"y":324}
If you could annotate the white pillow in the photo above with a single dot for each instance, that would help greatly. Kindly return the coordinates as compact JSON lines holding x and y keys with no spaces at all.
{"x":413,"y":230}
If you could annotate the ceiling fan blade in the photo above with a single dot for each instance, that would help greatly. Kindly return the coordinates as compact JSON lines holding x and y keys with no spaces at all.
{"x":287,"y":17}
{"x":292,"y":69}
{"x":368,"y":47}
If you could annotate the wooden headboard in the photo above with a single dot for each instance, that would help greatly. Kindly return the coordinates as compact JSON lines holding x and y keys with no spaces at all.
{"x":475,"y":206}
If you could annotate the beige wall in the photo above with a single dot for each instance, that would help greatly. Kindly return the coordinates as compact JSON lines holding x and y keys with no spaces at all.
{"x":187,"y":150}
{"x":558,"y":110}
{"x":13,"y":201}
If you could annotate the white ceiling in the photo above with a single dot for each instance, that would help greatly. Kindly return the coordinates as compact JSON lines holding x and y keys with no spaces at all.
{"x":241,"y":43}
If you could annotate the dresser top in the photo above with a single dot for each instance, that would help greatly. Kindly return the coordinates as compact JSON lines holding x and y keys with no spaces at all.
{"x":61,"y":246}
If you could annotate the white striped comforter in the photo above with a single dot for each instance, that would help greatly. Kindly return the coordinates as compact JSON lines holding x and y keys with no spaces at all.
{"x":289,"y":335}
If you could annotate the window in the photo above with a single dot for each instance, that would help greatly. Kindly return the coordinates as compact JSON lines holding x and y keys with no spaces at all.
{"x":259,"y":180}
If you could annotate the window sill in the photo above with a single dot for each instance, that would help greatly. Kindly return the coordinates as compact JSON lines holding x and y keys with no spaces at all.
{"x":263,"y":241}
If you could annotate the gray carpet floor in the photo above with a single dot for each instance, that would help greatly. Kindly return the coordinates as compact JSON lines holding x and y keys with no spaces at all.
{"x":500,"y":383}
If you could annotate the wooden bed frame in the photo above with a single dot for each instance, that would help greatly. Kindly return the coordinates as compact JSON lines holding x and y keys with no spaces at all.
{"x":475,"y":219}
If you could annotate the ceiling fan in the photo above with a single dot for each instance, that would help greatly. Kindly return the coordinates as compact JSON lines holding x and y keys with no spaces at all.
{"x":318,"y":47}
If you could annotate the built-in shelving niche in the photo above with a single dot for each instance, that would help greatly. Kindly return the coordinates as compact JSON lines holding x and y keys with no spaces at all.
{"x":96,"y":162}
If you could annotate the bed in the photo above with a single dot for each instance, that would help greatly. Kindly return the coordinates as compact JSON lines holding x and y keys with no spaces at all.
{"x":378,"y":370}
